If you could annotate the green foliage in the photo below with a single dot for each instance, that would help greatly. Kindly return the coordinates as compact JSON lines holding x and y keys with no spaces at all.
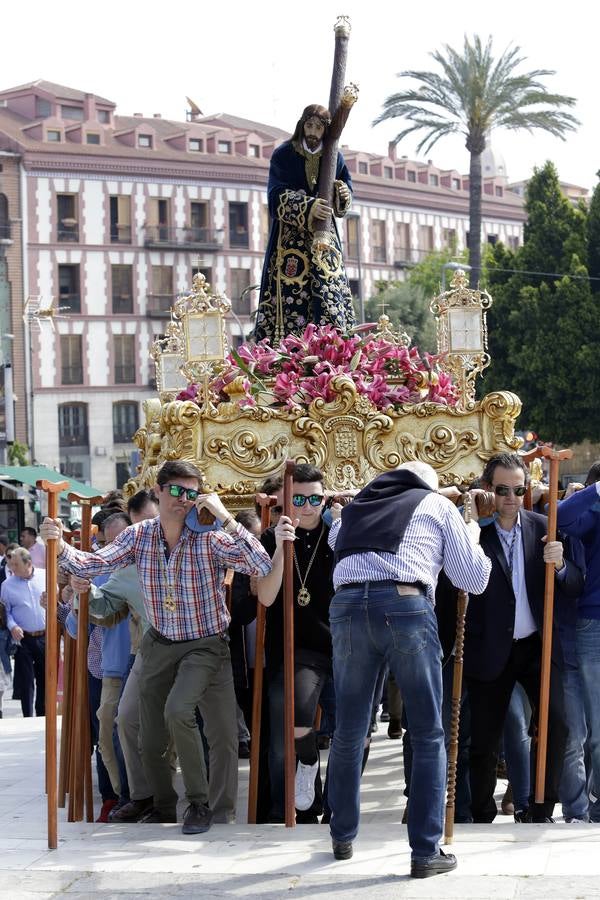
{"x":594,"y":239}
{"x":17,"y":454}
{"x":544,"y":332}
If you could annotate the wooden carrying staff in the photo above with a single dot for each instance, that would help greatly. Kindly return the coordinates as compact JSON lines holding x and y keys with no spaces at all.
{"x":52,"y":490}
{"x":461,"y":614}
{"x":265,"y":504}
{"x":80,"y":771}
{"x":555,"y":456}
{"x":288,"y":654}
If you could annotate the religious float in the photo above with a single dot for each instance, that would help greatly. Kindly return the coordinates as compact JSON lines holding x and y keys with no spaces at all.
{"x":354,"y":405}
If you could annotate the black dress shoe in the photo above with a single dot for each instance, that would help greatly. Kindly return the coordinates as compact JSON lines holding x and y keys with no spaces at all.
{"x":157,"y":817}
{"x":445,"y":862}
{"x":394,"y":729}
{"x":342,"y":849}
{"x":197,"y":819}
{"x":132,"y":811}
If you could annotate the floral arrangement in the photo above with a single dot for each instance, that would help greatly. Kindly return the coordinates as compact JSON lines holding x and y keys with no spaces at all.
{"x":302,"y":368}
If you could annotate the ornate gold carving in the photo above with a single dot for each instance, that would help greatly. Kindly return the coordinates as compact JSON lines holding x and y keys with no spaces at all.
{"x":244,"y":450}
{"x":502,"y":409}
{"x":439,"y":446}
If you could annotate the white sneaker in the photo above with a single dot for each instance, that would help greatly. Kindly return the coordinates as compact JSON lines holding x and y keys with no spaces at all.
{"x":305,"y":785}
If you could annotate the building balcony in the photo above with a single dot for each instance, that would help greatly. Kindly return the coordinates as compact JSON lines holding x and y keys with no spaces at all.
{"x":191,"y":237}
{"x":120,"y":234}
{"x":76,"y":439}
{"x":5,"y":233}
{"x":122,"y":437}
{"x":68,"y":234}
{"x":158,"y":306}
{"x":71,"y":375}
{"x":125,"y":374}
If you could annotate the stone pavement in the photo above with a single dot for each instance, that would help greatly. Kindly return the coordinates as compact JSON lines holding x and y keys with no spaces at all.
{"x":502,"y":860}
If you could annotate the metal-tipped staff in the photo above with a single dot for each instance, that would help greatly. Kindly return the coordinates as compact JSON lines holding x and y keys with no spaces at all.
{"x":265,"y":504}
{"x":461,"y":613}
{"x":288,"y":655}
{"x":52,"y":490}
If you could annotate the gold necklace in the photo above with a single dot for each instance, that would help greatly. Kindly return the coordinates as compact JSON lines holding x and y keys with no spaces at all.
{"x":169,"y":603}
{"x":304,"y":597}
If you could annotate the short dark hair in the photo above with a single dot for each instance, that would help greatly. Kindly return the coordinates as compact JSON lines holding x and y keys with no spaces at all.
{"x":102,"y":515}
{"x":506,"y":461}
{"x":305,"y":472}
{"x":179,"y":468}
{"x":271,"y":485}
{"x":248,"y":518}
{"x":113,"y":498}
{"x":136,"y":503}
{"x":115,"y":517}
{"x":28,"y":530}
{"x":594,"y":474}
{"x":4,"y":540}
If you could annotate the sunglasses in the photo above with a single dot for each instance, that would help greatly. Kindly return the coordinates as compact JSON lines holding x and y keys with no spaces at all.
{"x":503,"y":490}
{"x":176,"y":490}
{"x":300,"y":499}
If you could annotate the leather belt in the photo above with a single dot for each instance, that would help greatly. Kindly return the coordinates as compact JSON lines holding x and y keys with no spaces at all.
{"x":34,"y":633}
{"x":403,"y":588}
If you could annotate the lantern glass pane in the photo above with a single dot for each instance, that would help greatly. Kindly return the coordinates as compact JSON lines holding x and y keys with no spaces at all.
{"x":204,"y":334}
{"x":465,"y":331}
{"x":170,"y":378}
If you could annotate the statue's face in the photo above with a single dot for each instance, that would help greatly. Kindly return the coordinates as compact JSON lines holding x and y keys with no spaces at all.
{"x":313,"y":132}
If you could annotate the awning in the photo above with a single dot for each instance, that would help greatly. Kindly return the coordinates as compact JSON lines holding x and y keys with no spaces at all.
{"x":32,"y":474}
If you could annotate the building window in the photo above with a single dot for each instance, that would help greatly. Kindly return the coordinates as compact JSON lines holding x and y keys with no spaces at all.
{"x":411,"y":175}
{"x":72,"y":112}
{"x":425,"y":239}
{"x":239,"y":280}
{"x":92,"y":138}
{"x":71,"y":370}
{"x":402,"y":242}
{"x":388,"y":172}
{"x":449,"y":238}
{"x":354,"y":285}
{"x":158,"y":220}
{"x":224,"y":146}
{"x":492,"y":239}
{"x":238,"y":225}
{"x":199,"y":221}
{"x":145,"y":141}
{"x":378,"y":240}
{"x":4,"y":220}
{"x":456,"y":184}
{"x":513,"y":242}
{"x":120,"y":220}
{"x":43,"y":108}
{"x":103,"y":116}
{"x":161,"y":297}
{"x":363,"y":168}
{"x":53,"y":136}
{"x":499,"y":191}
{"x":125,"y":421}
{"x":72,"y":425}
{"x":254,"y":150}
{"x":122,"y":290}
{"x":434,"y":180}
{"x":122,"y":473}
{"x":66,"y":209}
{"x":124,"y":356}
{"x":353,"y":237}
{"x":68,"y":288}
{"x":196,"y":145}
{"x":265,"y":224}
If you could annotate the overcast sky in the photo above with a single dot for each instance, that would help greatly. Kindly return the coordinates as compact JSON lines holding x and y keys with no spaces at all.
{"x":265,"y":61}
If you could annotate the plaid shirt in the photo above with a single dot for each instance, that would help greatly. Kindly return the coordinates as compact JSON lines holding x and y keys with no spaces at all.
{"x":195,"y":569}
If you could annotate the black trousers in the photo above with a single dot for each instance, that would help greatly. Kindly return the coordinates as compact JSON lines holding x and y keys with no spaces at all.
{"x":489,"y":702}
{"x":30,"y":674}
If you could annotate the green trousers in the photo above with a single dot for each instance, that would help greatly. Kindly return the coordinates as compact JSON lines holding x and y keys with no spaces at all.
{"x":176,"y":678}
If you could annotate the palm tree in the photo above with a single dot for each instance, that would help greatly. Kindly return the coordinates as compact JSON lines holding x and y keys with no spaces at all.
{"x":473,"y":94}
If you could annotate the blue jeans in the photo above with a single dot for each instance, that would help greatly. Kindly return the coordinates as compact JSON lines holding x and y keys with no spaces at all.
{"x":574,"y":792}
{"x":372,"y":624}
{"x":588,"y":660}
{"x":517,"y":746}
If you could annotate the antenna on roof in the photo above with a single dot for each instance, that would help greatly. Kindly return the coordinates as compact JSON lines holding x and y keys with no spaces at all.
{"x":194,"y":112}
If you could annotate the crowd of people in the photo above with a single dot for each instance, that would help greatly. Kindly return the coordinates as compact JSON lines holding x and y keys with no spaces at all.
{"x":376,"y":576}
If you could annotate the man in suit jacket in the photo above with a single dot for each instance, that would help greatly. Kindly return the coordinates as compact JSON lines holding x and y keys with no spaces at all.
{"x":503,"y":636}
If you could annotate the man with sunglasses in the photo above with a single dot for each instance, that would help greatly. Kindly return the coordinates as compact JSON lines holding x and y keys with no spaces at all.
{"x":313,"y":590}
{"x":503,"y":636}
{"x":185,"y":651}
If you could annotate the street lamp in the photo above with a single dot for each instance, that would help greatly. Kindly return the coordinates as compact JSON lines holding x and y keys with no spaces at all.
{"x":453,"y":266}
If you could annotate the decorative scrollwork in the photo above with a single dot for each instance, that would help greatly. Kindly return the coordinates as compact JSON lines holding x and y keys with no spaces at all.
{"x":247,"y":454}
{"x":440,"y":445}
{"x":502,"y":409}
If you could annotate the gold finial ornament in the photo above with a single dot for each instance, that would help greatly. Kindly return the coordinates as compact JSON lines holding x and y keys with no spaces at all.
{"x":343,"y":26}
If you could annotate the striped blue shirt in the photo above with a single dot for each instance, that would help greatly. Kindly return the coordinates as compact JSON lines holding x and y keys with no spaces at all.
{"x":435,"y":537}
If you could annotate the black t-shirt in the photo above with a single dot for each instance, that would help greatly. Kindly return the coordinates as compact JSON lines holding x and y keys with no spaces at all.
{"x":312,"y":637}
